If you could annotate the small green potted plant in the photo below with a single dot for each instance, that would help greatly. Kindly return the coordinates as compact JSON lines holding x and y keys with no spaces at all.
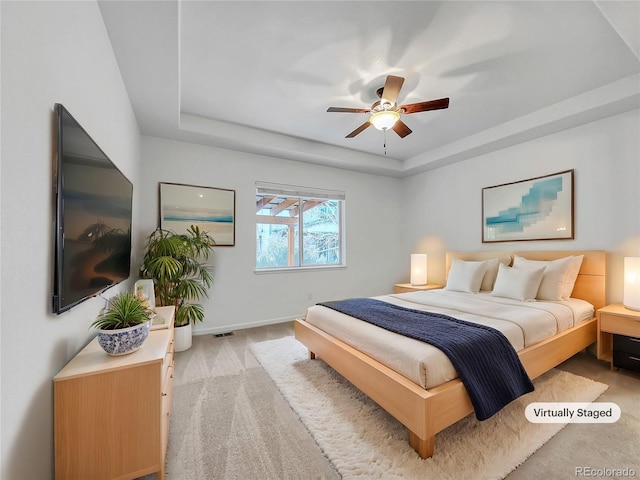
{"x":177,"y":263}
{"x":124,"y":325}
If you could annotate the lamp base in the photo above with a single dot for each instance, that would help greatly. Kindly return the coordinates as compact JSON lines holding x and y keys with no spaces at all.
{"x":629,"y":307}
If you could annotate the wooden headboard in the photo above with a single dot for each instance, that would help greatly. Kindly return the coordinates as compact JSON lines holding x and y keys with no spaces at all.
{"x":590,"y":284}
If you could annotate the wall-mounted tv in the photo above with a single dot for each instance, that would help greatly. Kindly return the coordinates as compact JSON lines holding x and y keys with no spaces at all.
{"x":93,"y":217}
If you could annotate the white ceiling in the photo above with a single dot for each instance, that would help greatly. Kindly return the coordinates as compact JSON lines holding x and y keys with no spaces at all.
{"x":259,"y":76}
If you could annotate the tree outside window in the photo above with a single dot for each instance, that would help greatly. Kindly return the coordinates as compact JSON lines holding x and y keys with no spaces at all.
{"x":297,"y":231}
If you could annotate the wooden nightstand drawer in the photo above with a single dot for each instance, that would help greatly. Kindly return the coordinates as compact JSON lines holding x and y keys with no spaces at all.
{"x":619,"y":324}
{"x":626,"y":360}
{"x":626,"y":344}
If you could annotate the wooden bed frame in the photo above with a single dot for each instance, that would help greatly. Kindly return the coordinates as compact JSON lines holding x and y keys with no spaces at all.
{"x":427,"y":412}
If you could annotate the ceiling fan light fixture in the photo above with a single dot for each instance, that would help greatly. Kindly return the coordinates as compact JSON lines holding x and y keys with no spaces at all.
{"x":384,"y":119}
{"x":385,"y":113}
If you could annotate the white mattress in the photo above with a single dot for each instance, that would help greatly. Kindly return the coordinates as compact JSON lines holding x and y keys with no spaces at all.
{"x":523,"y":323}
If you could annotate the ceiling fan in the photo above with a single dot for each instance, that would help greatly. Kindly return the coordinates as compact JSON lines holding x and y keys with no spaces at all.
{"x":385,"y":114}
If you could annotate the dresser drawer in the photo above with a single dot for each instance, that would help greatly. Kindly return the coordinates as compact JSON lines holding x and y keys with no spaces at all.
{"x":619,"y":324}
{"x":167,"y":399}
{"x":168,"y":358}
{"x":626,"y":360}
{"x":626,"y":344}
{"x":167,"y":363}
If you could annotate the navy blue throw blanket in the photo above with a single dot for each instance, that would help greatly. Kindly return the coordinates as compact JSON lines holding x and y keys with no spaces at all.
{"x":486,"y":362}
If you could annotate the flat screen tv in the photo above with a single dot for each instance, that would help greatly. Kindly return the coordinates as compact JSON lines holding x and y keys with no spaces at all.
{"x":93,"y":217}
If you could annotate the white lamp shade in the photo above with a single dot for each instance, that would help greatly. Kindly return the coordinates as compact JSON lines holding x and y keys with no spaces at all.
{"x":631,"y":297}
{"x":418,"y":269}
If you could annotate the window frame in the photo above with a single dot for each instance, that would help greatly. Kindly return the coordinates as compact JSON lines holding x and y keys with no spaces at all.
{"x":305,"y":194}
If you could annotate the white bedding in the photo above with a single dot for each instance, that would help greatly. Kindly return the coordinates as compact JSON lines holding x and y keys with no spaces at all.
{"x":523,"y":323}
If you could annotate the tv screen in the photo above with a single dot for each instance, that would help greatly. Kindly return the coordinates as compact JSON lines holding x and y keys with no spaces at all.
{"x":93,"y":217}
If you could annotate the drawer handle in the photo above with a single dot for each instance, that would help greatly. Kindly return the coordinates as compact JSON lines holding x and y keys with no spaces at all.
{"x":632,"y":339}
{"x":635,"y":358}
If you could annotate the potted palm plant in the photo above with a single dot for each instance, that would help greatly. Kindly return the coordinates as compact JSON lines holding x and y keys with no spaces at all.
{"x":177,"y":263}
{"x":124,"y":325}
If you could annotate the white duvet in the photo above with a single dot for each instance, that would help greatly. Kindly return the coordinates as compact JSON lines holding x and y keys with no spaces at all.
{"x":523,"y":323}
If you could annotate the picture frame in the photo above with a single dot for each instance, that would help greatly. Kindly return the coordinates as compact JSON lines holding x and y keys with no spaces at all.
{"x":143,"y":289}
{"x":212,"y":209}
{"x":539,"y":208}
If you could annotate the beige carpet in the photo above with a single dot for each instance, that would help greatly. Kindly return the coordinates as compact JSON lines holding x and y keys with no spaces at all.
{"x":363,"y":441}
{"x":229,"y":422}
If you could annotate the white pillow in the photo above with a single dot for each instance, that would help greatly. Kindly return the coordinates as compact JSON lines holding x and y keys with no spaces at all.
{"x":517,"y":283}
{"x":492,"y":270}
{"x":465,"y":276}
{"x":557,"y":283}
{"x":572,"y":275}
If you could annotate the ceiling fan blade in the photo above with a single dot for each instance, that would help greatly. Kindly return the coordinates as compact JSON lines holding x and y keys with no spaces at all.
{"x":348,"y":110}
{"x":392,"y":88}
{"x":424,"y":106}
{"x":359,"y":129}
{"x":401,"y":128}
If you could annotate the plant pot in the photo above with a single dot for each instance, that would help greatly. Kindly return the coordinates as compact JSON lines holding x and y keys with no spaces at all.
{"x":124,"y":340}
{"x":182,"y":337}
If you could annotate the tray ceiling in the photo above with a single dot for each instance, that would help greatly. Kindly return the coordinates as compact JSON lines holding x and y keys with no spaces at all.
{"x":259,"y":76}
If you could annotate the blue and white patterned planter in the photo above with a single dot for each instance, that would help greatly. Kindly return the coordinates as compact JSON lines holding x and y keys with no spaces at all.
{"x":125,"y":340}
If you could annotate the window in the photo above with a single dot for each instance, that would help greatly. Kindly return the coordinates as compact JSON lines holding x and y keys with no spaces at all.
{"x":298,"y":227}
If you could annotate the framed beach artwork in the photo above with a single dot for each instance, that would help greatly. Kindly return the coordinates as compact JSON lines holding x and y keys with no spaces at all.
{"x":210,"y":209}
{"x":539,"y":208}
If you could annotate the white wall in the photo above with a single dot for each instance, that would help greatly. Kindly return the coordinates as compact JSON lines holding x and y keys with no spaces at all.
{"x":444,"y":205}
{"x":51,"y":52}
{"x":241,"y":298}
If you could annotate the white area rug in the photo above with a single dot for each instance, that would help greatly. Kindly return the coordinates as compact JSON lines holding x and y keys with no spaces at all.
{"x":363,"y":441}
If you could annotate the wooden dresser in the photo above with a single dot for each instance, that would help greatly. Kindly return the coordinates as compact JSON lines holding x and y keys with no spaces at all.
{"x":111,"y":413}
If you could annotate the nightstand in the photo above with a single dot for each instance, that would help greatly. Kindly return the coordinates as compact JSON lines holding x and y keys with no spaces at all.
{"x":407,"y":287}
{"x":619,"y":336}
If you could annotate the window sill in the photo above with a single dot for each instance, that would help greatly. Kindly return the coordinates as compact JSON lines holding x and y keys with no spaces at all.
{"x":314,"y":268}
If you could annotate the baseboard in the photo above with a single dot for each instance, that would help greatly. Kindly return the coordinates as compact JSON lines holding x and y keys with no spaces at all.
{"x":242,"y":326}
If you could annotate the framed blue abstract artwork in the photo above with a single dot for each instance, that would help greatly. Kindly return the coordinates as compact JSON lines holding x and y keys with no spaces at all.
{"x":539,"y":208}
{"x":211,"y":209}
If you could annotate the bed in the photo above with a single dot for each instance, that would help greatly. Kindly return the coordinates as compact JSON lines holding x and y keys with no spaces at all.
{"x":426,"y":408}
